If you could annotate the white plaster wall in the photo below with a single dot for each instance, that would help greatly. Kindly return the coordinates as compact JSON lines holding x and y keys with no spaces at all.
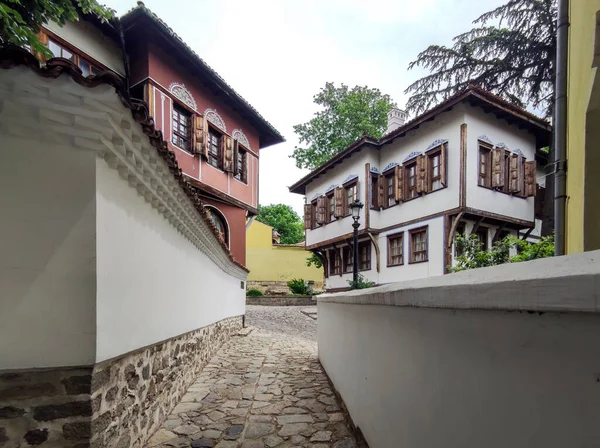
{"x":445,"y":126}
{"x":153,"y":284}
{"x":480,"y":198}
{"x":425,"y":377}
{"x":407,"y":271}
{"x":91,"y":41}
{"x":47,"y":254}
{"x":354,"y":165}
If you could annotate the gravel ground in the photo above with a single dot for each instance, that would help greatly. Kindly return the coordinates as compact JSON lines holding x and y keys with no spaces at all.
{"x":283,"y":320}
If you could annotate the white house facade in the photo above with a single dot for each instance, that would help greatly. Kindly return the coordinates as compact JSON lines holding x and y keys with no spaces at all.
{"x":470,"y":165}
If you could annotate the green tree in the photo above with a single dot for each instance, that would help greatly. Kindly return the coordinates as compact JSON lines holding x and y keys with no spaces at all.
{"x":284,"y":220}
{"x":20,"y":20}
{"x":511,"y":51}
{"x":473,"y":256}
{"x":347,"y":114}
{"x":314,"y":260}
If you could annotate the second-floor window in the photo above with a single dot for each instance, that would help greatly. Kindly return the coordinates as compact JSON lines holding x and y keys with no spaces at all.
{"x":411,"y":180}
{"x":330,"y":208}
{"x":435,"y":171}
{"x":241,"y":163}
{"x":214,"y":146}
{"x":181,"y":128}
{"x":60,"y":51}
{"x":390,"y":190}
{"x":351,"y":195}
{"x":485,"y":162}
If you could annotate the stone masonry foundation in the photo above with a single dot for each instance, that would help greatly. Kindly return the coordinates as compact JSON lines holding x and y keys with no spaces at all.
{"x":118,"y":403}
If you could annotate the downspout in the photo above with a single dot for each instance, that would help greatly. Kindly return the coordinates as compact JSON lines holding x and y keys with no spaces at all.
{"x":119,"y":26}
{"x":560,"y":127}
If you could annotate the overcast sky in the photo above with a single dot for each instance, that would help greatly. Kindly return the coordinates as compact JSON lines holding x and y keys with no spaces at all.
{"x":278,"y":53}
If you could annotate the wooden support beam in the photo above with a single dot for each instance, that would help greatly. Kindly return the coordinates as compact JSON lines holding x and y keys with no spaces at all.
{"x":526,"y":235}
{"x":454,"y":227}
{"x":476,"y":226}
{"x":376,"y":250}
{"x":499,"y":230}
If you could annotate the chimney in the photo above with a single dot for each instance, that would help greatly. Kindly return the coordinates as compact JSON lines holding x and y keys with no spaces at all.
{"x":396,"y":118}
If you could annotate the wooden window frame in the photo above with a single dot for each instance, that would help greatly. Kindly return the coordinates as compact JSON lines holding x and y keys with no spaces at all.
{"x":407,"y":167}
{"x":362,"y":244}
{"x":330,"y":209}
{"x":389,"y":175}
{"x":335,"y":268}
{"x":242,"y":174}
{"x":436,"y":152}
{"x":78,"y":55}
{"x":395,"y":236}
{"x":347,"y":254}
{"x":212,"y":131}
{"x":484,"y":155}
{"x":178,"y":137}
{"x":412,"y":252}
{"x":348,"y":186}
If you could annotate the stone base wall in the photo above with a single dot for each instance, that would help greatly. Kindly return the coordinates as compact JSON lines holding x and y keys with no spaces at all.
{"x":277,"y":288}
{"x":133,"y":394}
{"x":282,"y":301}
{"x":46,"y":406}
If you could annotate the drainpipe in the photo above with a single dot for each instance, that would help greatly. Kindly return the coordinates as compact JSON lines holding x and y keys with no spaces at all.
{"x":119,"y":26}
{"x":560,"y":127}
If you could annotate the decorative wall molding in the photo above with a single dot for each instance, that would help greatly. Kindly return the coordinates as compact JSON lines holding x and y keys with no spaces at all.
{"x":517,"y":151}
{"x":390,"y":166}
{"x":485,"y":138}
{"x":412,"y":155}
{"x":349,"y":178}
{"x":502,"y":145}
{"x":374,"y":170}
{"x":238,"y":135}
{"x":317,"y":195}
{"x":438,"y":142}
{"x":331,"y":188}
{"x":213,"y":117}
{"x":181,"y":92}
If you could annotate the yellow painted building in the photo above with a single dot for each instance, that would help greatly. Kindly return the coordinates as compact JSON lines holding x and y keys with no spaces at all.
{"x":583,"y":128}
{"x":271,"y":262}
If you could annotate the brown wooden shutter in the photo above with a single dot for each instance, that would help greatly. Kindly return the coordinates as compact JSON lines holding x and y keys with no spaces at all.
{"x":197,"y":135}
{"x":236,"y":150}
{"x":227,"y":144}
{"x":400,"y":187}
{"x":530,"y":169}
{"x":513,"y":175}
{"x":422,"y":184}
{"x":204,"y":140}
{"x":380,"y":191}
{"x":443,"y":166}
{"x":321,"y":209}
{"x":307,"y":216}
{"x":338,"y":195}
{"x":498,"y":167}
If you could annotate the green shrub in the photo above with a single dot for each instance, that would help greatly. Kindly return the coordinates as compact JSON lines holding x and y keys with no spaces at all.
{"x":361,"y":283}
{"x":254,"y":293}
{"x":297,"y":286}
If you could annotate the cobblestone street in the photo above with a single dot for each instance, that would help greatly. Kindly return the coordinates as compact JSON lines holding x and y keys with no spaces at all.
{"x":266,"y":389}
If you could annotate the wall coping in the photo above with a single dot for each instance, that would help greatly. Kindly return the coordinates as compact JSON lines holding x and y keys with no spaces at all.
{"x":562,"y":284}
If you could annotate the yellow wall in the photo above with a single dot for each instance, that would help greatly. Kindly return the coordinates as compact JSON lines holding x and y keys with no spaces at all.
{"x":276,"y":263}
{"x":581,"y":75}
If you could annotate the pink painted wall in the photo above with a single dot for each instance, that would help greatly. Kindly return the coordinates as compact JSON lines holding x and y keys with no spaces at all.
{"x":236,"y":222}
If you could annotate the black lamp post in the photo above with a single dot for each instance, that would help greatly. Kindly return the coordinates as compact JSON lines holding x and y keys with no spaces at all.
{"x":355,"y":208}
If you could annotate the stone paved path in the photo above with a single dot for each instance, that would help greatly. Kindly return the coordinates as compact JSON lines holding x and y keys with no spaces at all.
{"x":266,"y":389}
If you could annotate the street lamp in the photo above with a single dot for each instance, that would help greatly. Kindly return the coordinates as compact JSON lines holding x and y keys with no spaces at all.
{"x":355,"y":209}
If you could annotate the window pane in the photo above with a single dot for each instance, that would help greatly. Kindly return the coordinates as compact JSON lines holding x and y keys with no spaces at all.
{"x":54,"y":48}
{"x":67,"y":54}
{"x":85,"y":67}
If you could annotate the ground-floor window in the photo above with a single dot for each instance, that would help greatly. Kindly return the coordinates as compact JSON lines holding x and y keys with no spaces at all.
{"x":418,"y":245}
{"x":334,"y":262}
{"x":364,"y":256}
{"x":219,"y":222}
{"x":395,"y":249}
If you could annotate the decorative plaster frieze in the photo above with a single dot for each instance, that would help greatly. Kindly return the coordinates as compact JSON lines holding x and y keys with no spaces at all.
{"x":437,"y":142}
{"x":213,"y":117}
{"x":349,"y":178}
{"x":390,"y":166}
{"x":517,"y":151}
{"x":502,"y":145}
{"x":331,"y":188}
{"x":180,"y":92}
{"x":317,"y":195}
{"x":374,"y":170}
{"x":238,"y":135}
{"x":485,"y":138}
{"x":412,"y":155}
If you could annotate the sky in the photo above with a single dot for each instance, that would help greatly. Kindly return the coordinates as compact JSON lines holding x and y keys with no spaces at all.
{"x":277,"y":54}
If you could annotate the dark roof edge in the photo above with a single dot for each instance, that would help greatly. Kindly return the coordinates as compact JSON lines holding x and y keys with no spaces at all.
{"x":274,"y":136}
{"x":470,"y":90}
{"x":12,"y":56}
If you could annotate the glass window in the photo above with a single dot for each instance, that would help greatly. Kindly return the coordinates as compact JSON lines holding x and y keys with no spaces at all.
{"x":364,"y":256}
{"x":219,"y":222}
{"x":395,"y":250}
{"x":181,"y":128}
{"x":418,"y":247}
{"x":435,"y":174}
{"x":485,"y":173}
{"x":351,"y":195}
{"x":348,"y":259}
{"x":214,"y":140}
{"x":391,"y":194}
{"x":241,"y":166}
{"x":412,"y":180}
{"x":331,"y":207}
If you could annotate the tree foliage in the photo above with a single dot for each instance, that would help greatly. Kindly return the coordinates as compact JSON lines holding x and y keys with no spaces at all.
{"x":20,"y":19}
{"x":473,"y":256}
{"x":284,"y":220}
{"x":347,"y":114}
{"x":511,"y":51}
{"x":314,"y":260}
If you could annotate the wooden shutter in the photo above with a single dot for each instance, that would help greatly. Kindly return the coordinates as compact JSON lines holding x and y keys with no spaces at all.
{"x":422,"y":184}
{"x":338,"y":195}
{"x":198,"y":134}
{"x":400,"y":187}
{"x":443,"y":166}
{"x":530,"y":169}
{"x":321,"y":209}
{"x":498,"y":167}
{"x":236,"y":150}
{"x":380,"y":191}
{"x":307,"y":216}
{"x":513,"y":175}
{"x":227,"y":143}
